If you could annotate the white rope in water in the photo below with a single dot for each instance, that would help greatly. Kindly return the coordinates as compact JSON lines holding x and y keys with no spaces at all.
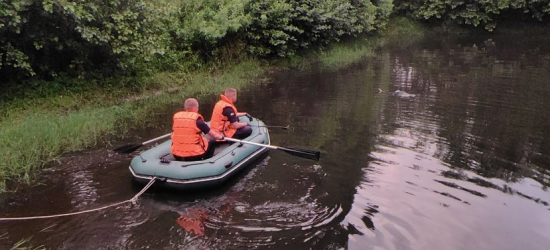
{"x":85,"y":211}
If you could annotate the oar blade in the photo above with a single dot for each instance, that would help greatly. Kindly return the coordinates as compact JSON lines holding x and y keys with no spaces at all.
{"x":304,"y":153}
{"x":127,"y":148}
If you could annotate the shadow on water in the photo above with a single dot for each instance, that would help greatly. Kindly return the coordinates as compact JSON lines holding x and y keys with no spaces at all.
{"x":464,"y":164}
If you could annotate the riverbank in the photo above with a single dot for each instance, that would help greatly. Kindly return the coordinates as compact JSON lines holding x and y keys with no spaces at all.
{"x":39,"y":125}
{"x":34,"y":135}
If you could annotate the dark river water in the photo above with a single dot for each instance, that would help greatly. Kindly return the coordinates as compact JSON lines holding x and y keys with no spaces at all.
{"x":464,"y":164}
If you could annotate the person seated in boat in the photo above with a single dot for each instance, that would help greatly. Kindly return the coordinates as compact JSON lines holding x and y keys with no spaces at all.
{"x":188,"y":142}
{"x":225,"y":117}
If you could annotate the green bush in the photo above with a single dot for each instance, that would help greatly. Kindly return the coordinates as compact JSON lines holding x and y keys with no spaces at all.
{"x":41,"y":39}
{"x":471,"y":12}
{"x":202,"y":25}
{"x":49,"y":37}
{"x":282,"y":28}
{"x":273,"y":27}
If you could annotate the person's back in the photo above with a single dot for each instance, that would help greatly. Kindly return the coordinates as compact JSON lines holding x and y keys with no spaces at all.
{"x":225,"y":117}
{"x":220,"y":122}
{"x":188,"y":142}
{"x":187,"y":139}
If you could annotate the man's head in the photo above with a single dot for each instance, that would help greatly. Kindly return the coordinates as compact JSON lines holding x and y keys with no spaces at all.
{"x":231,"y":94}
{"x":191,"y":105}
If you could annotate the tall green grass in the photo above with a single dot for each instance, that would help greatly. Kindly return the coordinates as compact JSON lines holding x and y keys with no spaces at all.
{"x":403,"y":27}
{"x":343,"y":54}
{"x":26,"y":143}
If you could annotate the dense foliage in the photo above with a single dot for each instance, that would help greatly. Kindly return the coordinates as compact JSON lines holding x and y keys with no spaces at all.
{"x":475,"y":12}
{"x":41,"y":39}
{"x":284,"y":27}
{"x":45,"y":38}
{"x":215,"y":28}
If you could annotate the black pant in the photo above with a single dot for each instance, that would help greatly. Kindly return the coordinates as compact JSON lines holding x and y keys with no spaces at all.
{"x":242,"y":132}
{"x":208,"y":154}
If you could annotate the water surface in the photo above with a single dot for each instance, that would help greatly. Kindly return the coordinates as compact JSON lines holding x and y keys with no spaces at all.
{"x":464,"y":164}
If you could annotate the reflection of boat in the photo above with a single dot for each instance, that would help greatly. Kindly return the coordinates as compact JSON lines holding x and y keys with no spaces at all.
{"x":193,"y":221}
{"x":159,"y":163}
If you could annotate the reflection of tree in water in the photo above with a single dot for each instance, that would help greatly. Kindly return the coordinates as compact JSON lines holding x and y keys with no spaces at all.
{"x":489,"y":97}
{"x":338,"y":117}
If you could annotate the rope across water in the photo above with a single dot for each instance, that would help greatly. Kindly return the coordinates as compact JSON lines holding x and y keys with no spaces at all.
{"x":85,"y":211}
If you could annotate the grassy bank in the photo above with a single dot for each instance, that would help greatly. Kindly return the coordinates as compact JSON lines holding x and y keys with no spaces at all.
{"x":42,"y":129}
{"x":39,"y":125}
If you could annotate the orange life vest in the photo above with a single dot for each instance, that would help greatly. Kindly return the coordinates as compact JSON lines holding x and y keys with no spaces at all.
{"x":187,"y":139}
{"x":219,"y":122}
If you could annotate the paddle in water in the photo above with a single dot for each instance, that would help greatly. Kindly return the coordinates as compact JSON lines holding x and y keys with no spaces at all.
{"x":126,"y":149}
{"x":304,"y":153}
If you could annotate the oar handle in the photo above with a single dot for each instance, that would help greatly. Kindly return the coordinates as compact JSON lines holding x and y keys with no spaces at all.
{"x":157,"y":139}
{"x":251,"y":143}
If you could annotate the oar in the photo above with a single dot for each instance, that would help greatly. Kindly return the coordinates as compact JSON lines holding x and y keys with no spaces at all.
{"x":251,"y":118}
{"x":133,"y":147}
{"x":304,"y":153}
{"x":283,"y":127}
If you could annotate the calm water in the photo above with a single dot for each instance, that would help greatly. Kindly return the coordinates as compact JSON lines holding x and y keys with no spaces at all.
{"x":462,"y":165}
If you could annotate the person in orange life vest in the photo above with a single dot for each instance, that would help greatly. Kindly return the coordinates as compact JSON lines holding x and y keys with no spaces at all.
{"x":225,"y":117}
{"x":188,"y":142}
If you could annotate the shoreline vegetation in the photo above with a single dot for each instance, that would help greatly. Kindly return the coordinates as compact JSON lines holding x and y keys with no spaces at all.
{"x":74,"y":73}
{"x":76,"y":119}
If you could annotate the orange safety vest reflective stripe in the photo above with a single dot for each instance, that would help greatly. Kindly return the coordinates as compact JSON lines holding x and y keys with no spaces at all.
{"x":219,"y":122}
{"x":187,"y":139}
